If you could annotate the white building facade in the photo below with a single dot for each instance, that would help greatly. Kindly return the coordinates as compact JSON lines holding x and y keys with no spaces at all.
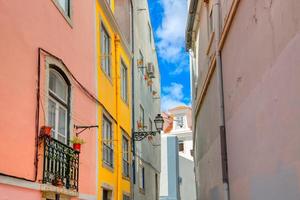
{"x":178,"y":123}
{"x":146,"y":105}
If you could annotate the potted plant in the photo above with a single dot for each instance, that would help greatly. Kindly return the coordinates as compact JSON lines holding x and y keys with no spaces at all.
{"x":146,"y":77}
{"x":46,"y":131}
{"x":149,"y":82}
{"x":77,"y":142}
{"x":57,"y":181}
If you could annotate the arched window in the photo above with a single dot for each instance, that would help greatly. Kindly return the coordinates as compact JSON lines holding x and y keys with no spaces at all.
{"x":58,"y":105}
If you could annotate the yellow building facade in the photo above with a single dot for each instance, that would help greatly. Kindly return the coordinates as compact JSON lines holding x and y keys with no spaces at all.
{"x":114,"y":112}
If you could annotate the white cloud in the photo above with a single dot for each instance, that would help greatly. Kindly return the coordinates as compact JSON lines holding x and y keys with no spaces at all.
{"x":171,"y":32}
{"x":182,"y":66}
{"x":172,"y":96}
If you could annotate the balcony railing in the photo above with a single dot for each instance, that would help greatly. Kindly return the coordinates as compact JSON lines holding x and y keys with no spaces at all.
{"x":61,"y":164}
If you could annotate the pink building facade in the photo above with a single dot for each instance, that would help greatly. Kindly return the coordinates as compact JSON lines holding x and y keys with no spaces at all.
{"x":48,"y":63}
{"x":245,"y":78}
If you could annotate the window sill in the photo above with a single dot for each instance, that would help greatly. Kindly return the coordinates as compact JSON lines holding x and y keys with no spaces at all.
{"x":125,"y":102}
{"x":142,"y":191}
{"x":58,"y":190}
{"x":109,"y":78}
{"x":108,"y":167}
{"x":126,"y":177}
{"x":62,"y":12}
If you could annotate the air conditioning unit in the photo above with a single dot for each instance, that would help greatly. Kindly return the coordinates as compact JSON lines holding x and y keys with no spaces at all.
{"x":150,"y":70}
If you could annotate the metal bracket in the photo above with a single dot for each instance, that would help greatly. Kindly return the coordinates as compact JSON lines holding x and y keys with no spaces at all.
{"x":83,"y":128}
{"x":140,"y":135}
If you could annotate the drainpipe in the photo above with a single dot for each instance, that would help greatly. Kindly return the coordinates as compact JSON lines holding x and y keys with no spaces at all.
{"x":221,"y":95}
{"x":132,"y":102}
{"x":119,"y":138}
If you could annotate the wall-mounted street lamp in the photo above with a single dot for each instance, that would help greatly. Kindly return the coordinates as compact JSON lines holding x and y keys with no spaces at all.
{"x":159,"y":123}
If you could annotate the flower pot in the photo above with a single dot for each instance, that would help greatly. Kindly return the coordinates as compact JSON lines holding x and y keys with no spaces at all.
{"x":58,"y":182}
{"x":145,"y":77}
{"x":76,"y":147}
{"x":150,"y":82}
{"x":46,"y":131}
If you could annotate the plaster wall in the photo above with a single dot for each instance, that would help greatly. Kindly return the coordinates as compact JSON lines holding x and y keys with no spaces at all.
{"x":10,"y":192}
{"x":148,"y":152}
{"x":207,"y":148}
{"x":26,"y":26}
{"x":206,"y":117}
{"x":261,"y":79}
{"x":187,"y":176}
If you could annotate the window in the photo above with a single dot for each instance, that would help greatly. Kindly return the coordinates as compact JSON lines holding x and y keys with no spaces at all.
{"x":181,"y":146}
{"x":141,"y":63}
{"x":142,"y":116}
{"x":151,"y":88}
{"x":58,"y":106}
{"x":124,"y":83}
{"x":192,"y":152}
{"x":107,"y":139}
{"x":179,"y":122}
{"x":107,"y":194}
{"x":105,"y":51}
{"x":150,"y":33}
{"x":65,"y":6}
{"x":125,"y":150}
{"x":126,"y":197}
{"x":142,"y":178}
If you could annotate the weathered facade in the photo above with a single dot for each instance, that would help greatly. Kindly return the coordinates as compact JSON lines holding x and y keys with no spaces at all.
{"x":244,"y":77}
{"x":47,"y":79}
{"x":146,"y":105}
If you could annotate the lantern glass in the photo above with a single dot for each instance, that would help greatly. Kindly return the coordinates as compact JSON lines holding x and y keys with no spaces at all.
{"x":159,"y":122}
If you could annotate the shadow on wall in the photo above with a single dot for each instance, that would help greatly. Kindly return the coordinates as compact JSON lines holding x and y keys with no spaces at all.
{"x":281,"y":185}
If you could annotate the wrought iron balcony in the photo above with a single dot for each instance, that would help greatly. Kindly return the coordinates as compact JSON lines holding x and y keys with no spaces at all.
{"x":61,"y":164}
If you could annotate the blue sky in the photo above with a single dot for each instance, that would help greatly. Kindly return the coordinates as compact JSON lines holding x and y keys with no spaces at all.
{"x":168,"y":18}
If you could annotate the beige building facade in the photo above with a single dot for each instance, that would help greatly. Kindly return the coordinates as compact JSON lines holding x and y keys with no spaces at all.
{"x":244,"y":75}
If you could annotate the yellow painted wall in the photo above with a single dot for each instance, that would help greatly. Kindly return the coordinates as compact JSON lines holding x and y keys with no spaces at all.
{"x":114,"y":107}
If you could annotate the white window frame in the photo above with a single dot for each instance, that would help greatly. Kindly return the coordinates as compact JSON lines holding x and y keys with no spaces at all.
{"x":141,"y":57}
{"x":124,"y":153}
{"x":124,"y":81}
{"x":142,"y":116}
{"x":109,"y":193}
{"x":59,"y":103}
{"x":177,"y":122}
{"x":141,"y":178}
{"x":67,"y":7}
{"x":107,"y":142}
{"x":126,"y":197}
{"x":67,"y":14}
{"x":105,"y":51}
